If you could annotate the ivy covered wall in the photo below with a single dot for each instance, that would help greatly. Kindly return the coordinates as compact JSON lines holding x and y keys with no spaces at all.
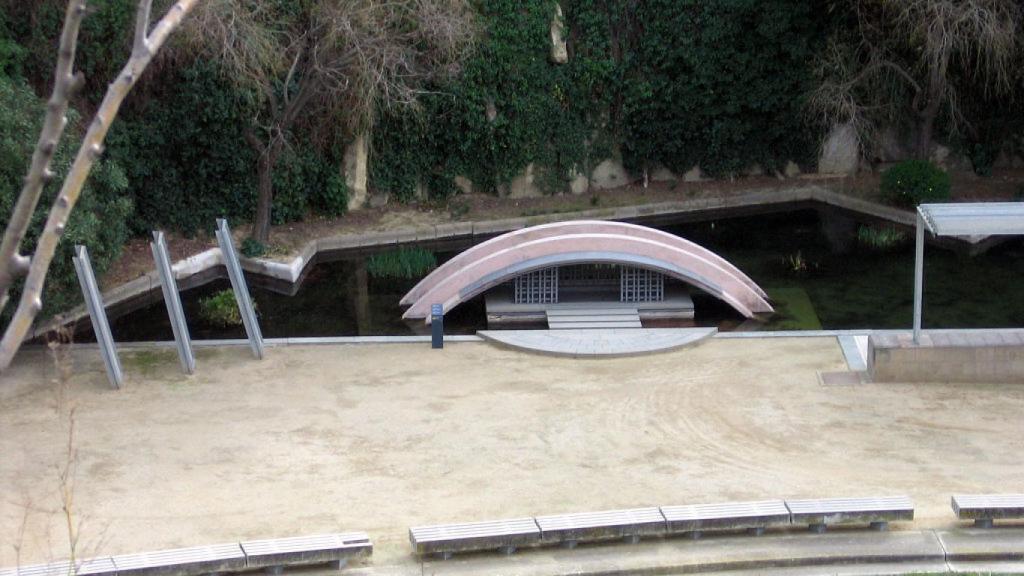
{"x":672,"y":82}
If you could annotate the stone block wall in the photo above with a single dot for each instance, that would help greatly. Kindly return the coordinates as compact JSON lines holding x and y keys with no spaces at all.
{"x":990,"y":357}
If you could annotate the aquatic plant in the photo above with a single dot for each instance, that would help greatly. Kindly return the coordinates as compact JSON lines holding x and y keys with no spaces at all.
{"x":796,"y":263}
{"x":401,"y":263}
{"x":221,"y":309}
{"x":881,"y":239}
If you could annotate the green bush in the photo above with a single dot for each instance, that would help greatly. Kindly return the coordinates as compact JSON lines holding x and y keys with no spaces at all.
{"x":100,"y":218}
{"x":913,"y":182}
{"x":253,"y":248}
{"x":187,"y":150}
{"x":221,"y":309}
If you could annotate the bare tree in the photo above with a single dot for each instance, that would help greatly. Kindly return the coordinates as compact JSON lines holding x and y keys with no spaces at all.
{"x":13,"y":264}
{"x":327,"y":66}
{"x":902,"y":57}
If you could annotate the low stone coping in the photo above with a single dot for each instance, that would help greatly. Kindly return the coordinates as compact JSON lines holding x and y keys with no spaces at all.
{"x":951,"y":339}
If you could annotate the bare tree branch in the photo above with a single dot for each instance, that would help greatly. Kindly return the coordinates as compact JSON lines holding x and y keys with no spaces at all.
{"x":65,"y":83}
{"x":328,"y":65}
{"x":142,"y":19}
{"x":907,"y":50}
{"x":92,"y":148}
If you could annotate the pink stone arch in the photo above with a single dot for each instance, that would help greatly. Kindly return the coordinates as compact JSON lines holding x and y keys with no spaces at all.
{"x":502,"y":258}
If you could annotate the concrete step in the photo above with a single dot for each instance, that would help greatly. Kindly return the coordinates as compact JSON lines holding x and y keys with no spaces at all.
{"x":593,"y":325}
{"x":592,"y":317}
{"x":589,"y":311}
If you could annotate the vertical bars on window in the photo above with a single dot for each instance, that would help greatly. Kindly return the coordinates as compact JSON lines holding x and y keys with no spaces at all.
{"x":537,"y":287}
{"x":640,"y":285}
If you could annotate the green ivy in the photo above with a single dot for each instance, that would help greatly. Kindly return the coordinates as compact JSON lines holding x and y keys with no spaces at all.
{"x":680,"y":83}
{"x":720,"y":84}
{"x":537,"y":117}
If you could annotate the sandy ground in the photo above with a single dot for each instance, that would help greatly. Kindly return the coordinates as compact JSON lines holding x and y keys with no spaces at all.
{"x":378,"y":438}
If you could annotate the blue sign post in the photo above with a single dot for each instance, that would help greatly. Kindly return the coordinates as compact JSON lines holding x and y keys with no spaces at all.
{"x":436,"y":326}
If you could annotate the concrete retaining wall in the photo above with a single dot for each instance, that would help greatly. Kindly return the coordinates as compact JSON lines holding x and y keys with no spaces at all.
{"x":988,"y":357}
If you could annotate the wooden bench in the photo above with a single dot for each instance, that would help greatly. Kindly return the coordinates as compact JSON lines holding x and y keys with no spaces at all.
{"x":182,"y":561}
{"x":92,"y":566}
{"x":570,"y":529}
{"x":878,"y":512}
{"x":984,"y":508}
{"x":503,"y":535}
{"x":335,"y":549}
{"x":752,"y":516}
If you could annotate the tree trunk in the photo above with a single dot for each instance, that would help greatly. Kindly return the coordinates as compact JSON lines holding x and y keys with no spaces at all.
{"x":926,"y":128}
{"x":265,"y":197}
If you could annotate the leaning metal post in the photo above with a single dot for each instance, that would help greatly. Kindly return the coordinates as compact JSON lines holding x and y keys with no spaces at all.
{"x":241,"y":290}
{"x":173,"y":301}
{"x":98,"y":315}
{"x":918,"y":277}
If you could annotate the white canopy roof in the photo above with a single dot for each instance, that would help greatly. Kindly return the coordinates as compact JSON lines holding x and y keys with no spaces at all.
{"x":974,"y":219}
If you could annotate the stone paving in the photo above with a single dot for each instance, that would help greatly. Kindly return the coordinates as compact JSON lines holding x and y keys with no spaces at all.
{"x":583,"y":343}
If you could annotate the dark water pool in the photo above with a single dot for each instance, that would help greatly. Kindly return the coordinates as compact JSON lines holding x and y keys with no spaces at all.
{"x":815,"y":270}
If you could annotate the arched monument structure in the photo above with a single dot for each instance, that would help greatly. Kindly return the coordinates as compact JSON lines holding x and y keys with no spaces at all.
{"x":554,"y":264}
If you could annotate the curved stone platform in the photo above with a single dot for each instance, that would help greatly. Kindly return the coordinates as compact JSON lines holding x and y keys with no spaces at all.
{"x":598,"y":343}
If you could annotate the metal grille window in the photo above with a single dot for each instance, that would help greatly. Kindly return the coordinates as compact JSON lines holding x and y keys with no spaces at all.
{"x":640,"y":285}
{"x":537,"y":287}
{"x":588,"y":274}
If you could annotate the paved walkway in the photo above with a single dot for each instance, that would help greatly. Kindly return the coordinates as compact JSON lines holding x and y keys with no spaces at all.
{"x":838,"y":552}
{"x":380,"y":437}
{"x":613,"y":342}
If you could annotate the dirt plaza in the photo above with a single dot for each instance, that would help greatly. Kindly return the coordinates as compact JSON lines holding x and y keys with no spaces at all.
{"x":381,"y":437}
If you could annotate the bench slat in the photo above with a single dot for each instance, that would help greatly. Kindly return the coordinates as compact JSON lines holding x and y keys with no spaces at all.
{"x":608,"y":524}
{"x":490,"y":535}
{"x":988,"y":506}
{"x":195,"y":560}
{"x":726,"y":516}
{"x":301,"y":550}
{"x":851,"y":510}
{"x":103,"y":565}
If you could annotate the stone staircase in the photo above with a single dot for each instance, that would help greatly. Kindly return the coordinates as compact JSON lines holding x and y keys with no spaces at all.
{"x":589,"y":316}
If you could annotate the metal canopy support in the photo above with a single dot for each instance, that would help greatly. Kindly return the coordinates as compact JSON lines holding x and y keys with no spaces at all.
{"x":98,"y":315}
{"x":238,"y":285}
{"x":972,"y":220}
{"x":173,"y":301}
{"x":918,"y":277}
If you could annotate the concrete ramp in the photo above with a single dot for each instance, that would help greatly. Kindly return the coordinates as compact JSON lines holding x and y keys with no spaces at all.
{"x":590,"y":317}
{"x":598,"y":343}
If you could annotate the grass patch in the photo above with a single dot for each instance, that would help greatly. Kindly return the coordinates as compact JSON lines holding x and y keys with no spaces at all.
{"x":147,"y":362}
{"x":793,"y":309}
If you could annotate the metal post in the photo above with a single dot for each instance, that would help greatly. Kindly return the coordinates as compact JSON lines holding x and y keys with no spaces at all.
{"x":918,"y":278}
{"x":436,"y":326}
{"x":241,"y":290}
{"x":173,"y":301}
{"x":98,"y":315}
